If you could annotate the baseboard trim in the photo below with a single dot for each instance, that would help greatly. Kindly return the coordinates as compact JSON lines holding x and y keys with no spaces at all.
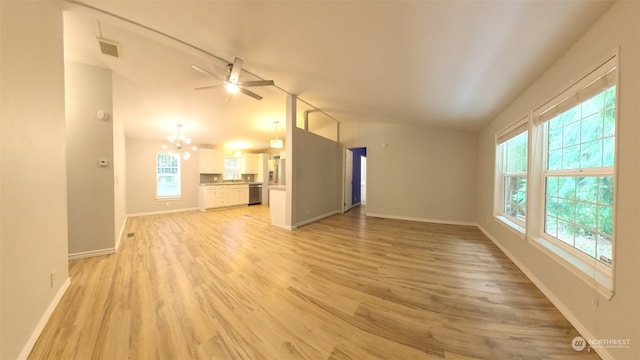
{"x":436,"y":221}
{"x":26,"y":350}
{"x":162,"y":212}
{"x":92,"y":253}
{"x":286,"y":227}
{"x":316,"y":218}
{"x":580,"y":327}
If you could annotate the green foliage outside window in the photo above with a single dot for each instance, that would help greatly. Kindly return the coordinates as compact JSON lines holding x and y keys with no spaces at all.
{"x":167,"y":175}
{"x":515,"y":181}
{"x":579,"y":209}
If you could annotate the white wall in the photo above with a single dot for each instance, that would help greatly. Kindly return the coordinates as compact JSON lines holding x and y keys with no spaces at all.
{"x":618,"y":318}
{"x":33,"y":221}
{"x":423,"y":173}
{"x":90,"y":191}
{"x":141,"y":180}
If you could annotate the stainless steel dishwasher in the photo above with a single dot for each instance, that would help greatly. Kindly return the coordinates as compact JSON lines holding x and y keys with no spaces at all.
{"x":255,"y":194}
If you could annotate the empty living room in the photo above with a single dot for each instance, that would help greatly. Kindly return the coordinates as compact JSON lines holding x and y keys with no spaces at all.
{"x":319,"y":179}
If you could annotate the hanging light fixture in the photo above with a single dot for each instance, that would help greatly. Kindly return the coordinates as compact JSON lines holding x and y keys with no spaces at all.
{"x":276,"y":143}
{"x":179,"y":141}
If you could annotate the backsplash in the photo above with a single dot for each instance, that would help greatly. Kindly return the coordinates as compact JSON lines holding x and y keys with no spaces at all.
{"x":210,"y":178}
{"x":248,"y":177}
{"x":217,"y":178}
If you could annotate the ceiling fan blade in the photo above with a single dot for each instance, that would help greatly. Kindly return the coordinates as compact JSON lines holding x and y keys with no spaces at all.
{"x":256,"y":83}
{"x":250,"y":93}
{"x":206,"y":87}
{"x":234,"y":76}
{"x":206,"y":72}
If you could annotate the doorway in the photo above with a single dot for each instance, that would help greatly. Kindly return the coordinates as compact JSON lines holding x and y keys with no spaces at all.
{"x":354,"y":177}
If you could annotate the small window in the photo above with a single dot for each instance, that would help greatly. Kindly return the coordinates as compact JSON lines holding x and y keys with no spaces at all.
{"x":167,"y":176}
{"x":511,"y":182}
{"x":232,"y":167}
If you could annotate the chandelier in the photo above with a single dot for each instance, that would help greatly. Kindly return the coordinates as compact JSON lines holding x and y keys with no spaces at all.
{"x":179,"y":141}
{"x":276,"y":143}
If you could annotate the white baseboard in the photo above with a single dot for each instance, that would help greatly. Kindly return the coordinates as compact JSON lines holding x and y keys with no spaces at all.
{"x":286,"y":227}
{"x":26,"y":349}
{"x":580,"y":327}
{"x":436,"y":221}
{"x":92,"y":253}
{"x":316,"y":218}
{"x":119,"y":239}
{"x":162,"y":212}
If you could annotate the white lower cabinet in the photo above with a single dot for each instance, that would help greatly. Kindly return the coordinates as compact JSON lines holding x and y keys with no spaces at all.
{"x":217,"y":196}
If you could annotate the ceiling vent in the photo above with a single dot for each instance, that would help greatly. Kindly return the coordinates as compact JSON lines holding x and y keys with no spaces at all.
{"x":110,"y":48}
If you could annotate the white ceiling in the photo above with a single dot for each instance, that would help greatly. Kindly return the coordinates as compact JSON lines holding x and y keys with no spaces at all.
{"x":444,"y":63}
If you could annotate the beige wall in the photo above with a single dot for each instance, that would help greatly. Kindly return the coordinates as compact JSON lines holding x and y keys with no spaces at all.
{"x":33,"y":221}
{"x":618,"y":318}
{"x":119,"y":172}
{"x":141,"y":183}
{"x":90,"y":191}
{"x":316,"y":176}
{"x":423,"y":173}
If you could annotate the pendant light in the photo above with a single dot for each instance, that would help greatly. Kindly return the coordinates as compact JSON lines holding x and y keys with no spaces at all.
{"x":276,"y":143}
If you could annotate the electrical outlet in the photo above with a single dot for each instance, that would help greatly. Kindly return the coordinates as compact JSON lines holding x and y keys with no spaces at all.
{"x":53,"y":278}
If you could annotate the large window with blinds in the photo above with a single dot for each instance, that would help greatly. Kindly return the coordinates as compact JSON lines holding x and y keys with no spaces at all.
{"x":573,"y":176}
{"x":578,"y":168}
{"x":511,"y":179}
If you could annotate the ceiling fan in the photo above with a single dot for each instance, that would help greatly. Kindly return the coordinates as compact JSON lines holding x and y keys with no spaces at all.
{"x":232,"y":82}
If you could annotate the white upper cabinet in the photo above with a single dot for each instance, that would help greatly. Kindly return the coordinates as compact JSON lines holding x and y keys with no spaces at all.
{"x":262,"y":161}
{"x":250,"y":164}
{"x":211,"y":161}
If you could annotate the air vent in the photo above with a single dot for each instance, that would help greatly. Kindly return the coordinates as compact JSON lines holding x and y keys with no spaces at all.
{"x":110,"y":48}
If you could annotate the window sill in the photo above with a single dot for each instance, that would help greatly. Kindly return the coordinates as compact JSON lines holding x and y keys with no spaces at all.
{"x":588,"y":271}
{"x":169,"y":198}
{"x":512,"y":226}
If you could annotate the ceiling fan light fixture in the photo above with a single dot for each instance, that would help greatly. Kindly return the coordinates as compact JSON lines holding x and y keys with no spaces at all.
{"x":232,"y":88}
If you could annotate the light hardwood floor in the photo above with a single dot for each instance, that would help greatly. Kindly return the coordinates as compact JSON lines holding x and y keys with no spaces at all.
{"x":227,"y":285}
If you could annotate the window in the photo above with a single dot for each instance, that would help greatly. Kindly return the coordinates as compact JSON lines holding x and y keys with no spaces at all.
{"x":232,"y":167}
{"x":579,"y":173}
{"x":511,"y":182}
{"x":167,"y":176}
{"x":572,"y":173}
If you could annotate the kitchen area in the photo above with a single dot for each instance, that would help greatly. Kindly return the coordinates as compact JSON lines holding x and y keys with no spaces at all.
{"x":238,"y":179}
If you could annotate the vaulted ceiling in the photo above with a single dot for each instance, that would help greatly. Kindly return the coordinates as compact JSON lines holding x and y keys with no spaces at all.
{"x":443,"y":63}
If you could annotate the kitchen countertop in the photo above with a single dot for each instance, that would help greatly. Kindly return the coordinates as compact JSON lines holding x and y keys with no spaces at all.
{"x":278,"y":187}
{"x":230,"y":183}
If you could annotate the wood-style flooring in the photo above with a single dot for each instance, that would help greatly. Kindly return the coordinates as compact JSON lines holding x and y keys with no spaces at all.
{"x":228,"y":285}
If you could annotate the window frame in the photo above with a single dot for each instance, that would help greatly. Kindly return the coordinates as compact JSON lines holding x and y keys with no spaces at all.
{"x":587,"y":268}
{"x":516,"y":129}
{"x":232,"y":174}
{"x":178,"y":175}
